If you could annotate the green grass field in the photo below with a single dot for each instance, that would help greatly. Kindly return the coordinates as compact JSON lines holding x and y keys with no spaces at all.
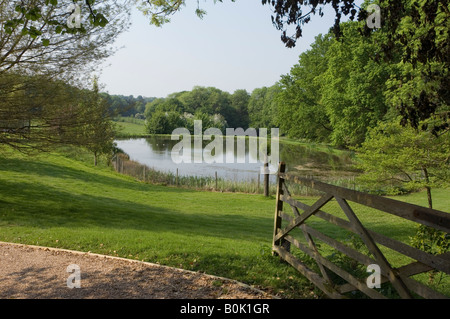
{"x":62,"y":200}
{"x":130,"y":127}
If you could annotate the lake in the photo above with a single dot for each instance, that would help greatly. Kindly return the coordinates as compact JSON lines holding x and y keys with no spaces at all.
{"x":322,"y":162}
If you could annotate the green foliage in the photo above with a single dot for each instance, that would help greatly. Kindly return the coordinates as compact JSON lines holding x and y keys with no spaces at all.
{"x":431,"y":240}
{"x":159,"y":11}
{"x":394,"y":157}
{"x":263,"y":107}
{"x":300,"y":111}
{"x":353,"y":86}
{"x":164,"y":105}
{"x":126,"y":106}
{"x":215,"y":108}
{"x":417,"y":32}
{"x":98,"y":132}
{"x":164,"y":122}
{"x":39,"y":114}
{"x":347,"y":263}
{"x":239,"y":103}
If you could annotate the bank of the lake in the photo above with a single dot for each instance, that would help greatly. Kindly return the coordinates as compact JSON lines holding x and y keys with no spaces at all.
{"x":151,"y":160}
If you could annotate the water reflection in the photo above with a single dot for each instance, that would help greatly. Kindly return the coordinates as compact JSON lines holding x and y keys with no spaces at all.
{"x":155,"y":152}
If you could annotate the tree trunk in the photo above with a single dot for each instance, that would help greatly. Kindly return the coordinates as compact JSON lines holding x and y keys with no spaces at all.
{"x":95,"y":159}
{"x":430,"y":202}
{"x":428,"y":188}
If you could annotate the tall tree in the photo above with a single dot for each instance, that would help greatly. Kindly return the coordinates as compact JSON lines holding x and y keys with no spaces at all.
{"x":300,"y":111}
{"x":239,"y":103}
{"x":353,"y":86}
{"x":97,"y":133}
{"x":418,"y":32}
{"x":263,"y":108}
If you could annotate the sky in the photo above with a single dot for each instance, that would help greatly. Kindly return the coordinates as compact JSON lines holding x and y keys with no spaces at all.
{"x":235,"y":46}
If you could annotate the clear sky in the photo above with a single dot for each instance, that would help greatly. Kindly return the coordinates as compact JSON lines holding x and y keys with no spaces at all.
{"x":235,"y":46}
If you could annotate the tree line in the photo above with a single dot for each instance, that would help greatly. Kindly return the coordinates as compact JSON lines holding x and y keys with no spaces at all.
{"x":128,"y":106}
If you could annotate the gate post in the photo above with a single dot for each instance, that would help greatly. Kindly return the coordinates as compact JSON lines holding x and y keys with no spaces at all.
{"x":278,"y":206}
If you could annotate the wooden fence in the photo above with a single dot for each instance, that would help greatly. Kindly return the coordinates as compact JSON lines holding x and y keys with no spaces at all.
{"x":295,"y":239}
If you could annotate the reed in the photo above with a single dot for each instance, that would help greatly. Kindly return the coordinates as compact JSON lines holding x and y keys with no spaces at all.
{"x":144,"y":173}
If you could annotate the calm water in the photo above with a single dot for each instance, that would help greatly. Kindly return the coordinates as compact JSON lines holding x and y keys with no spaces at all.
{"x":155,"y":152}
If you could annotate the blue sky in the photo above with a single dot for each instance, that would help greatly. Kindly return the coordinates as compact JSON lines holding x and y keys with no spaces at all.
{"x":235,"y":46}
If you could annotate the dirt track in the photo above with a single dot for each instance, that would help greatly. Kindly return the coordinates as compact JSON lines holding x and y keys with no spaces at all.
{"x":30,"y":272}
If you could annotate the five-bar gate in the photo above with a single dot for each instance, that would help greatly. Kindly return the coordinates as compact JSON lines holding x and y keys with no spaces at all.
{"x":292,"y":224}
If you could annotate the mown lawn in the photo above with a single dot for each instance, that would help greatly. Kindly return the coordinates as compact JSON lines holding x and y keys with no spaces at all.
{"x":64,"y":201}
{"x":130,"y":127}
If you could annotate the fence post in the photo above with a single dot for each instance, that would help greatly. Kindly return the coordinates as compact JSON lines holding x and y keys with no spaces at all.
{"x":216,"y":181}
{"x":278,"y":206}
{"x":266,"y":179}
{"x":259,"y":182}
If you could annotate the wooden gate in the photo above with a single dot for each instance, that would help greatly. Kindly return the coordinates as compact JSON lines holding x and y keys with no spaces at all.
{"x":294,"y":238}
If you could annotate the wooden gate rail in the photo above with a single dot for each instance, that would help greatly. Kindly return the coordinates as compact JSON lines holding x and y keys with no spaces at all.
{"x":399,"y":277}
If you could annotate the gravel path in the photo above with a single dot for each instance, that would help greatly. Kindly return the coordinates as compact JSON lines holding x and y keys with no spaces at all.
{"x":32,"y":272}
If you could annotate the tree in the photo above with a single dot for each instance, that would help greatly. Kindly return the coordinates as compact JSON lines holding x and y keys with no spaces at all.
{"x":416,"y":31}
{"x":98,"y":133}
{"x":166,"y":105}
{"x":158,"y":123}
{"x":36,"y":38}
{"x":43,"y":66}
{"x":209,"y":100}
{"x":300,"y":111}
{"x":262,"y":107}
{"x":292,"y":13}
{"x":36,"y":113}
{"x":162,"y":122}
{"x":353,"y":86}
{"x":404,"y":157}
{"x":239,"y":103}
{"x":206,"y":120}
{"x":412,"y":159}
{"x":159,"y":11}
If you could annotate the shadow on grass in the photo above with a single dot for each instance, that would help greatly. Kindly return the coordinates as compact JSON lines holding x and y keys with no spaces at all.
{"x":32,"y":167}
{"x":42,"y":206}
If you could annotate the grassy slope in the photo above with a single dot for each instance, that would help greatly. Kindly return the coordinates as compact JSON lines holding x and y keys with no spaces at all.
{"x":57,"y":201}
